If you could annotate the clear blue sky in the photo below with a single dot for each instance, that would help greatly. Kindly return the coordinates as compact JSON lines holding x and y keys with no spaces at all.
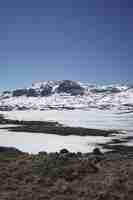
{"x":88,"y":40}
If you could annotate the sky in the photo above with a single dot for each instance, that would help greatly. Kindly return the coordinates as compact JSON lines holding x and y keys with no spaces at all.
{"x":86,"y":40}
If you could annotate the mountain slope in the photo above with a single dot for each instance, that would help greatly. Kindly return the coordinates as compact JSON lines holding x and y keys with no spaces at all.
{"x":68,"y":94}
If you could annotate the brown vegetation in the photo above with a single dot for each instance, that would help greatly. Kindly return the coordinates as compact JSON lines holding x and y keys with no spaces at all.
{"x":59,"y":177}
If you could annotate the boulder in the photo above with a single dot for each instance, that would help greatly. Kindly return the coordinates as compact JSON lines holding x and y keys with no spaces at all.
{"x":62,"y":151}
{"x":97,"y":151}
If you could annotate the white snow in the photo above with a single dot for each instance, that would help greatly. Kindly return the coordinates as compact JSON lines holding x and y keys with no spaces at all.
{"x":7,"y":125}
{"x":100,"y":110}
{"x":98,"y":119}
{"x":90,"y":99}
{"x":34,"y":143}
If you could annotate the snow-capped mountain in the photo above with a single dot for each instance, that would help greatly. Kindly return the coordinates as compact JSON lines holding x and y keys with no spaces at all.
{"x":68,"y":94}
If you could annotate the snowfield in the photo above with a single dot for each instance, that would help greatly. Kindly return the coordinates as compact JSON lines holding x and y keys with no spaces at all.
{"x":34,"y":143}
{"x":97,"y":119}
{"x":68,"y":95}
{"x":118,"y":101}
{"x":70,"y":103}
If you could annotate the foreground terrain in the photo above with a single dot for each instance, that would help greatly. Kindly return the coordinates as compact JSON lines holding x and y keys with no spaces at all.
{"x":65,"y":176}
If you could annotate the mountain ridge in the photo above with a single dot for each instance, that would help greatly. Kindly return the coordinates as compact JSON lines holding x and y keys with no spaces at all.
{"x":68,"y":94}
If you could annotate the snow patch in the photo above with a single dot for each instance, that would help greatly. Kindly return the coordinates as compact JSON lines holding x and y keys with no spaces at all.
{"x":34,"y":143}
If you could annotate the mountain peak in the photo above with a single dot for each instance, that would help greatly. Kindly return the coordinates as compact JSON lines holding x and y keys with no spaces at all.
{"x":68,"y":94}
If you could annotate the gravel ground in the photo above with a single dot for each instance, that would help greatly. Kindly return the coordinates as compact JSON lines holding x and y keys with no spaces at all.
{"x":65,"y":176}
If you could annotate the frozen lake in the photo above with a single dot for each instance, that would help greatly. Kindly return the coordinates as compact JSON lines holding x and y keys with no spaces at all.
{"x":98,"y":119}
{"x":33,"y":143}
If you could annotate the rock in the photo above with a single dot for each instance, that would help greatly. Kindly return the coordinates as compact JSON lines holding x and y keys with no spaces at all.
{"x":70,"y":87}
{"x":21,"y":107}
{"x":27,"y":92}
{"x":72,"y":155}
{"x":6,"y":94}
{"x":9,"y":150}
{"x":106,"y":90}
{"x":46,"y":91}
{"x":64,"y":151}
{"x":97,"y":151}
{"x":19,"y":92}
{"x":79,"y":154}
{"x":64,"y":154}
{"x":32,"y":93}
{"x":6,"y":108}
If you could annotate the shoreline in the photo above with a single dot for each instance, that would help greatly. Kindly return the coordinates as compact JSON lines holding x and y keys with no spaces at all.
{"x":66,"y":175}
{"x":55,"y":128}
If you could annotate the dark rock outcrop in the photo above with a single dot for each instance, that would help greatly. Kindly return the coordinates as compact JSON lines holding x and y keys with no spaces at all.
{"x":6,"y":108}
{"x":97,"y":151}
{"x":46,"y":91}
{"x":27,"y":92}
{"x":70,"y":87}
{"x":62,"y":151}
{"x":106,"y":90}
{"x":32,"y":93}
{"x":6,"y":94}
{"x":9,"y":150}
{"x":19,"y":92}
